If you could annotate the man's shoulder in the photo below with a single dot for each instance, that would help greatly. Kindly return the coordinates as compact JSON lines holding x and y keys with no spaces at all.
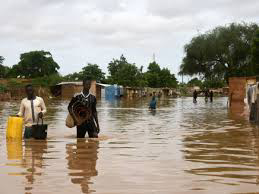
{"x":92,"y":96}
{"x":77,"y":94}
{"x":39,"y":98}
{"x":24,"y":100}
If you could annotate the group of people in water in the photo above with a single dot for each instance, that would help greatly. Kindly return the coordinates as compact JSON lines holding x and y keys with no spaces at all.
{"x":207,"y":94}
{"x":33,"y":108}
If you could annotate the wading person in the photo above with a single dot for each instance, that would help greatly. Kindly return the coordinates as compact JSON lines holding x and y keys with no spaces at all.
{"x":211,"y":96}
{"x":82,"y":107}
{"x":206,"y":94}
{"x":195,"y":95}
{"x":152,"y":105}
{"x":32,"y":108}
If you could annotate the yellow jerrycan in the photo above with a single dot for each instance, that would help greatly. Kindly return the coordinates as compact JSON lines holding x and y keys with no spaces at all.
{"x":14,"y":127}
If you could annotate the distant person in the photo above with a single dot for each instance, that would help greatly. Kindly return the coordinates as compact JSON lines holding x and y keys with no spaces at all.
{"x":159,"y":94}
{"x":87,"y":112}
{"x":195,"y":95}
{"x":152,"y":104}
{"x":32,"y":108}
{"x":206,"y":94}
{"x":211,"y":96}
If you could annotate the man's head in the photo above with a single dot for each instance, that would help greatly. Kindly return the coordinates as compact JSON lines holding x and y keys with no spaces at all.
{"x":29,"y":91}
{"x":87,"y":84}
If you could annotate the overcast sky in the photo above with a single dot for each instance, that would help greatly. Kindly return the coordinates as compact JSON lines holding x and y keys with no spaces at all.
{"x":80,"y":31}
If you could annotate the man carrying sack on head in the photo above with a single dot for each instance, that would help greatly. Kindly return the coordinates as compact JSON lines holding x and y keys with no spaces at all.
{"x":82,"y":109}
{"x":32,"y":108}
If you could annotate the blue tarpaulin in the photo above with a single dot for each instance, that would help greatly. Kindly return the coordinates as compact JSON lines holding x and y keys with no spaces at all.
{"x":113,"y":92}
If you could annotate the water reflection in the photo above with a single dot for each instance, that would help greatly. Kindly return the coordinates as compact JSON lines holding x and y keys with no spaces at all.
{"x":33,"y":161}
{"x":81,"y":160}
{"x":184,"y":147}
{"x":224,"y":148}
{"x":14,"y":149}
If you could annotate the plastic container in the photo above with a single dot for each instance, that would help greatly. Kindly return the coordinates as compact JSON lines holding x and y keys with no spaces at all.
{"x":14,"y":127}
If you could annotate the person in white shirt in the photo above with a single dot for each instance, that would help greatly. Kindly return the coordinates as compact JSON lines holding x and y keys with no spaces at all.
{"x":32,"y":108}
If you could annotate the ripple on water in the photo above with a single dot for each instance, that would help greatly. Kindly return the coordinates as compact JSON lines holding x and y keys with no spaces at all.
{"x":182,"y":147}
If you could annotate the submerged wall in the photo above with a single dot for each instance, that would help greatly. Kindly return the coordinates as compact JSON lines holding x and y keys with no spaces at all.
{"x":238,"y":87}
{"x":69,"y":90}
{"x":19,"y":93}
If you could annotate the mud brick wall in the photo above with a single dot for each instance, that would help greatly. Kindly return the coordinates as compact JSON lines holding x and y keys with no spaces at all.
{"x":69,"y":90}
{"x":237,"y":89}
{"x":19,"y":93}
{"x":5,"y":96}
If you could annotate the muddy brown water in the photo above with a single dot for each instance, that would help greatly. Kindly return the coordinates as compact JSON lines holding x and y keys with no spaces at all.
{"x":181,"y":148}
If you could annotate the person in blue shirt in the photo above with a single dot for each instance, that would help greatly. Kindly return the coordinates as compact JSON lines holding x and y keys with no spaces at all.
{"x":152,"y":105}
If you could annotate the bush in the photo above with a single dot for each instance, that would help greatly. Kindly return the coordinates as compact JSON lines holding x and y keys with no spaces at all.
{"x":13,"y":83}
{"x":214,"y":84}
{"x":183,"y":89}
{"x":3,"y":88}
{"x":47,"y":81}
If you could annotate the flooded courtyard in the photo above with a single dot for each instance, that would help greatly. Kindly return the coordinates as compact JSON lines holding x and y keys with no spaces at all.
{"x":180,"y":148}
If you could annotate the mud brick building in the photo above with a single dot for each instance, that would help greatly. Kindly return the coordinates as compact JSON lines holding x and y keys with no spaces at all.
{"x":68,"y":89}
{"x":238,"y":88}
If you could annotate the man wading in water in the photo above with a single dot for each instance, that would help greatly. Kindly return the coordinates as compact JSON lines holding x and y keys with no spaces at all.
{"x":89,"y":112}
{"x":32,"y":108}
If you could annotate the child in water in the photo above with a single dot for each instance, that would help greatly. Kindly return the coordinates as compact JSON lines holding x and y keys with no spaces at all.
{"x":152,"y":105}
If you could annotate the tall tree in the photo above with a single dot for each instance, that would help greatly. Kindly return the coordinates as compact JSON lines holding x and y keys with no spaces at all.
{"x":93,"y":72}
{"x":123,"y":73}
{"x":195,"y":82}
{"x":157,"y":77}
{"x":4,"y":70}
{"x":255,"y":49}
{"x":167,"y":79}
{"x":1,"y":60}
{"x":153,"y":75}
{"x":35,"y":64}
{"x":220,"y":53}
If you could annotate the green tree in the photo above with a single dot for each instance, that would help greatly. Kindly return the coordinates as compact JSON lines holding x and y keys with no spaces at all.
{"x":93,"y":72}
{"x":4,"y":70}
{"x":220,"y":53}
{"x":195,"y":82}
{"x":167,"y":79}
{"x":123,"y":73}
{"x":255,"y":49}
{"x":1,"y":60}
{"x":73,"y":76}
{"x":141,"y":78}
{"x":153,"y":75}
{"x":157,"y":77}
{"x":35,"y":64}
{"x":114,"y":67}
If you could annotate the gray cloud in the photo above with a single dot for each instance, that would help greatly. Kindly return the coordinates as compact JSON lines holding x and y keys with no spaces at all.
{"x":81,"y":31}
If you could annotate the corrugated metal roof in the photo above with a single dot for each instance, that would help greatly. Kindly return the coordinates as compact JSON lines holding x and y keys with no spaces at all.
{"x":71,"y":83}
{"x":104,"y":85}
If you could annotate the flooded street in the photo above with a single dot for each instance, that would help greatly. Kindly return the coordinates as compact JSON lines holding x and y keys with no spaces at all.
{"x":181,"y":148}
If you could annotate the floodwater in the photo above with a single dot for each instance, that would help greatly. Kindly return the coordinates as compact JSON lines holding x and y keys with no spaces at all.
{"x":180,"y":148}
